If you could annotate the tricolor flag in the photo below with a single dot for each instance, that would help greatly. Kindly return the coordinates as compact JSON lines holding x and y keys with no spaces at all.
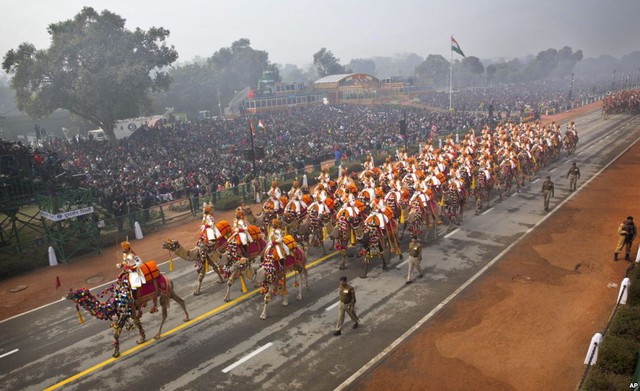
{"x":261,"y":126}
{"x":456,"y":47}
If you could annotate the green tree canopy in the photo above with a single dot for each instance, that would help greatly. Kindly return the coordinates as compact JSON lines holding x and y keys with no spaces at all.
{"x":327,"y":64}
{"x":434,"y":69}
{"x":95,"y":68}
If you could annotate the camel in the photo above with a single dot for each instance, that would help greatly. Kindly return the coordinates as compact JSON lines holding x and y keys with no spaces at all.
{"x":345,"y":234}
{"x":271,"y":277}
{"x":239,"y":262}
{"x":201,"y":255}
{"x":123,"y":309}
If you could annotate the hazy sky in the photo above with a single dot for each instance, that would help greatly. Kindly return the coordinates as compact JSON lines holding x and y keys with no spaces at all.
{"x":291,"y":31}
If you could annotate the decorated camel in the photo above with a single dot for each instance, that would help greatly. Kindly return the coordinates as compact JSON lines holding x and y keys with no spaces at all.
{"x":282,"y":255}
{"x":379,"y":237}
{"x":348,"y":229}
{"x":123,"y":308}
{"x":203,"y":256}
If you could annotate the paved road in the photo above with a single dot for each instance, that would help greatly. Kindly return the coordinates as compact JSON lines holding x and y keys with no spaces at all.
{"x":228,"y":347}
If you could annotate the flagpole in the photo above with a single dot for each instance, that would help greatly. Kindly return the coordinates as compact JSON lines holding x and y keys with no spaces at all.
{"x":451,"y":77}
{"x":253,"y":150}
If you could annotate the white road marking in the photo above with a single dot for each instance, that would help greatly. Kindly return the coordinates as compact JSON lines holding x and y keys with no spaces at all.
{"x":8,"y":353}
{"x":451,"y":233}
{"x":514,"y":194}
{"x":487,"y":211}
{"x":247,"y":357}
{"x":553,"y":169}
{"x":332,"y":306}
{"x":536,"y":180}
{"x":401,"y":264}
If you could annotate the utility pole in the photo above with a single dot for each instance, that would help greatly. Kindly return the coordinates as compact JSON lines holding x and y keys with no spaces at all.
{"x":253,"y":149}
{"x":219,"y":104}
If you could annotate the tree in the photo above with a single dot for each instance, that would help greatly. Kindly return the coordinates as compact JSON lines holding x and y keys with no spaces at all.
{"x":238,"y":67}
{"x":360,"y":65}
{"x":327,"y":64}
{"x":95,"y":68}
{"x":434,"y":69}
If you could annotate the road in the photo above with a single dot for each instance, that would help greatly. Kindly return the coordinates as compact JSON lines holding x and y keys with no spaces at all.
{"x":226,"y":346}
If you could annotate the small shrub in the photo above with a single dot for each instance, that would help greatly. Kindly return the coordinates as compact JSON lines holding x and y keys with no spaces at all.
{"x":228,"y":203}
{"x":626,"y":323}
{"x":618,"y":355}
{"x":600,"y":380}
{"x":633,"y":297}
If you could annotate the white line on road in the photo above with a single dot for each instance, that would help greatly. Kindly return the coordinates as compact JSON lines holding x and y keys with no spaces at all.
{"x":536,"y":180}
{"x":553,"y":169}
{"x":401,"y":264}
{"x":487,"y":211}
{"x":451,"y":233}
{"x":332,"y":306}
{"x":514,"y":194}
{"x":579,"y":153}
{"x":247,"y":357}
{"x":8,"y":353}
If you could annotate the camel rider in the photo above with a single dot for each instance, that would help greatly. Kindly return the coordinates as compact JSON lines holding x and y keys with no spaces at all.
{"x":345,"y":179}
{"x":131,"y":263}
{"x":369,"y":164}
{"x":349,"y":205}
{"x":242,"y":229}
{"x":276,"y":242}
{"x":324,"y":177}
{"x":378,"y":209}
{"x":295,"y":195}
{"x":320,"y":197}
{"x":208,"y":230}
{"x":274,"y":194}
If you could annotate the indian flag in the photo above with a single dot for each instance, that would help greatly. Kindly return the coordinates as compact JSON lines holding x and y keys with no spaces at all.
{"x":261,"y":126}
{"x":456,"y":47}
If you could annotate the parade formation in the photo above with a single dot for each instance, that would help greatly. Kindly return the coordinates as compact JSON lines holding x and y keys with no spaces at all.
{"x":364,"y":215}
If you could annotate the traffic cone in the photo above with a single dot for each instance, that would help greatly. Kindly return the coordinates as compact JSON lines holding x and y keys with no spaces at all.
{"x":138,"y":231}
{"x":53,"y":261}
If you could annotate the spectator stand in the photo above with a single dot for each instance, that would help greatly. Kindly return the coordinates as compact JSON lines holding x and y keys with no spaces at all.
{"x":69,"y":222}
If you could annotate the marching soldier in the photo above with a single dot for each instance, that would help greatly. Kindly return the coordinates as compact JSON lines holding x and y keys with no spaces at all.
{"x":573,"y":175}
{"x":415,"y":257}
{"x":547,"y":189}
{"x":627,"y":232}
{"x":347,"y":304}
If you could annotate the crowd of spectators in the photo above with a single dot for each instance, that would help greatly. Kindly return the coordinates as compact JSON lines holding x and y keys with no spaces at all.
{"x":196,"y":158}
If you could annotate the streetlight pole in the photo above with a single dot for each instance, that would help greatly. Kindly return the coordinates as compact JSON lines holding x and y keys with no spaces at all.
{"x":219,"y":104}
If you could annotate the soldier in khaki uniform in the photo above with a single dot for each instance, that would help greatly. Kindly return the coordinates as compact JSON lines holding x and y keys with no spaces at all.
{"x":627,"y":232}
{"x":573,"y":175}
{"x":415,"y":257}
{"x":547,"y":189}
{"x":347,"y":304}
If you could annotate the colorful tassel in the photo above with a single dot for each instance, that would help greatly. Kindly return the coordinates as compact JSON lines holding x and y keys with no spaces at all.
{"x":80,"y":317}
{"x":353,"y":238}
{"x":243,"y":284}
{"x":401,"y":216}
{"x":324,"y":233}
{"x":170,"y":262}
{"x":442,"y":201}
{"x":206,"y":267}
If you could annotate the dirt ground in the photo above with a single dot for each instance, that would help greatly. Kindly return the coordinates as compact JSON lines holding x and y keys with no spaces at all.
{"x":525,"y":325}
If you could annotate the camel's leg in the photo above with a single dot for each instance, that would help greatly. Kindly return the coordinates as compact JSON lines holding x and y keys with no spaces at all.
{"x":227,"y":295}
{"x":138,"y":324}
{"x":263,"y":315}
{"x":343,"y":265}
{"x":299,"y":275}
{"x":366,"y":266}
{"x":217,"y":270}
{"x":478,"y":205}
{"x":163,"y":304}
{"x":116,"y":341}
{"x":200,"y":278}
{"x":182,"y":304}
